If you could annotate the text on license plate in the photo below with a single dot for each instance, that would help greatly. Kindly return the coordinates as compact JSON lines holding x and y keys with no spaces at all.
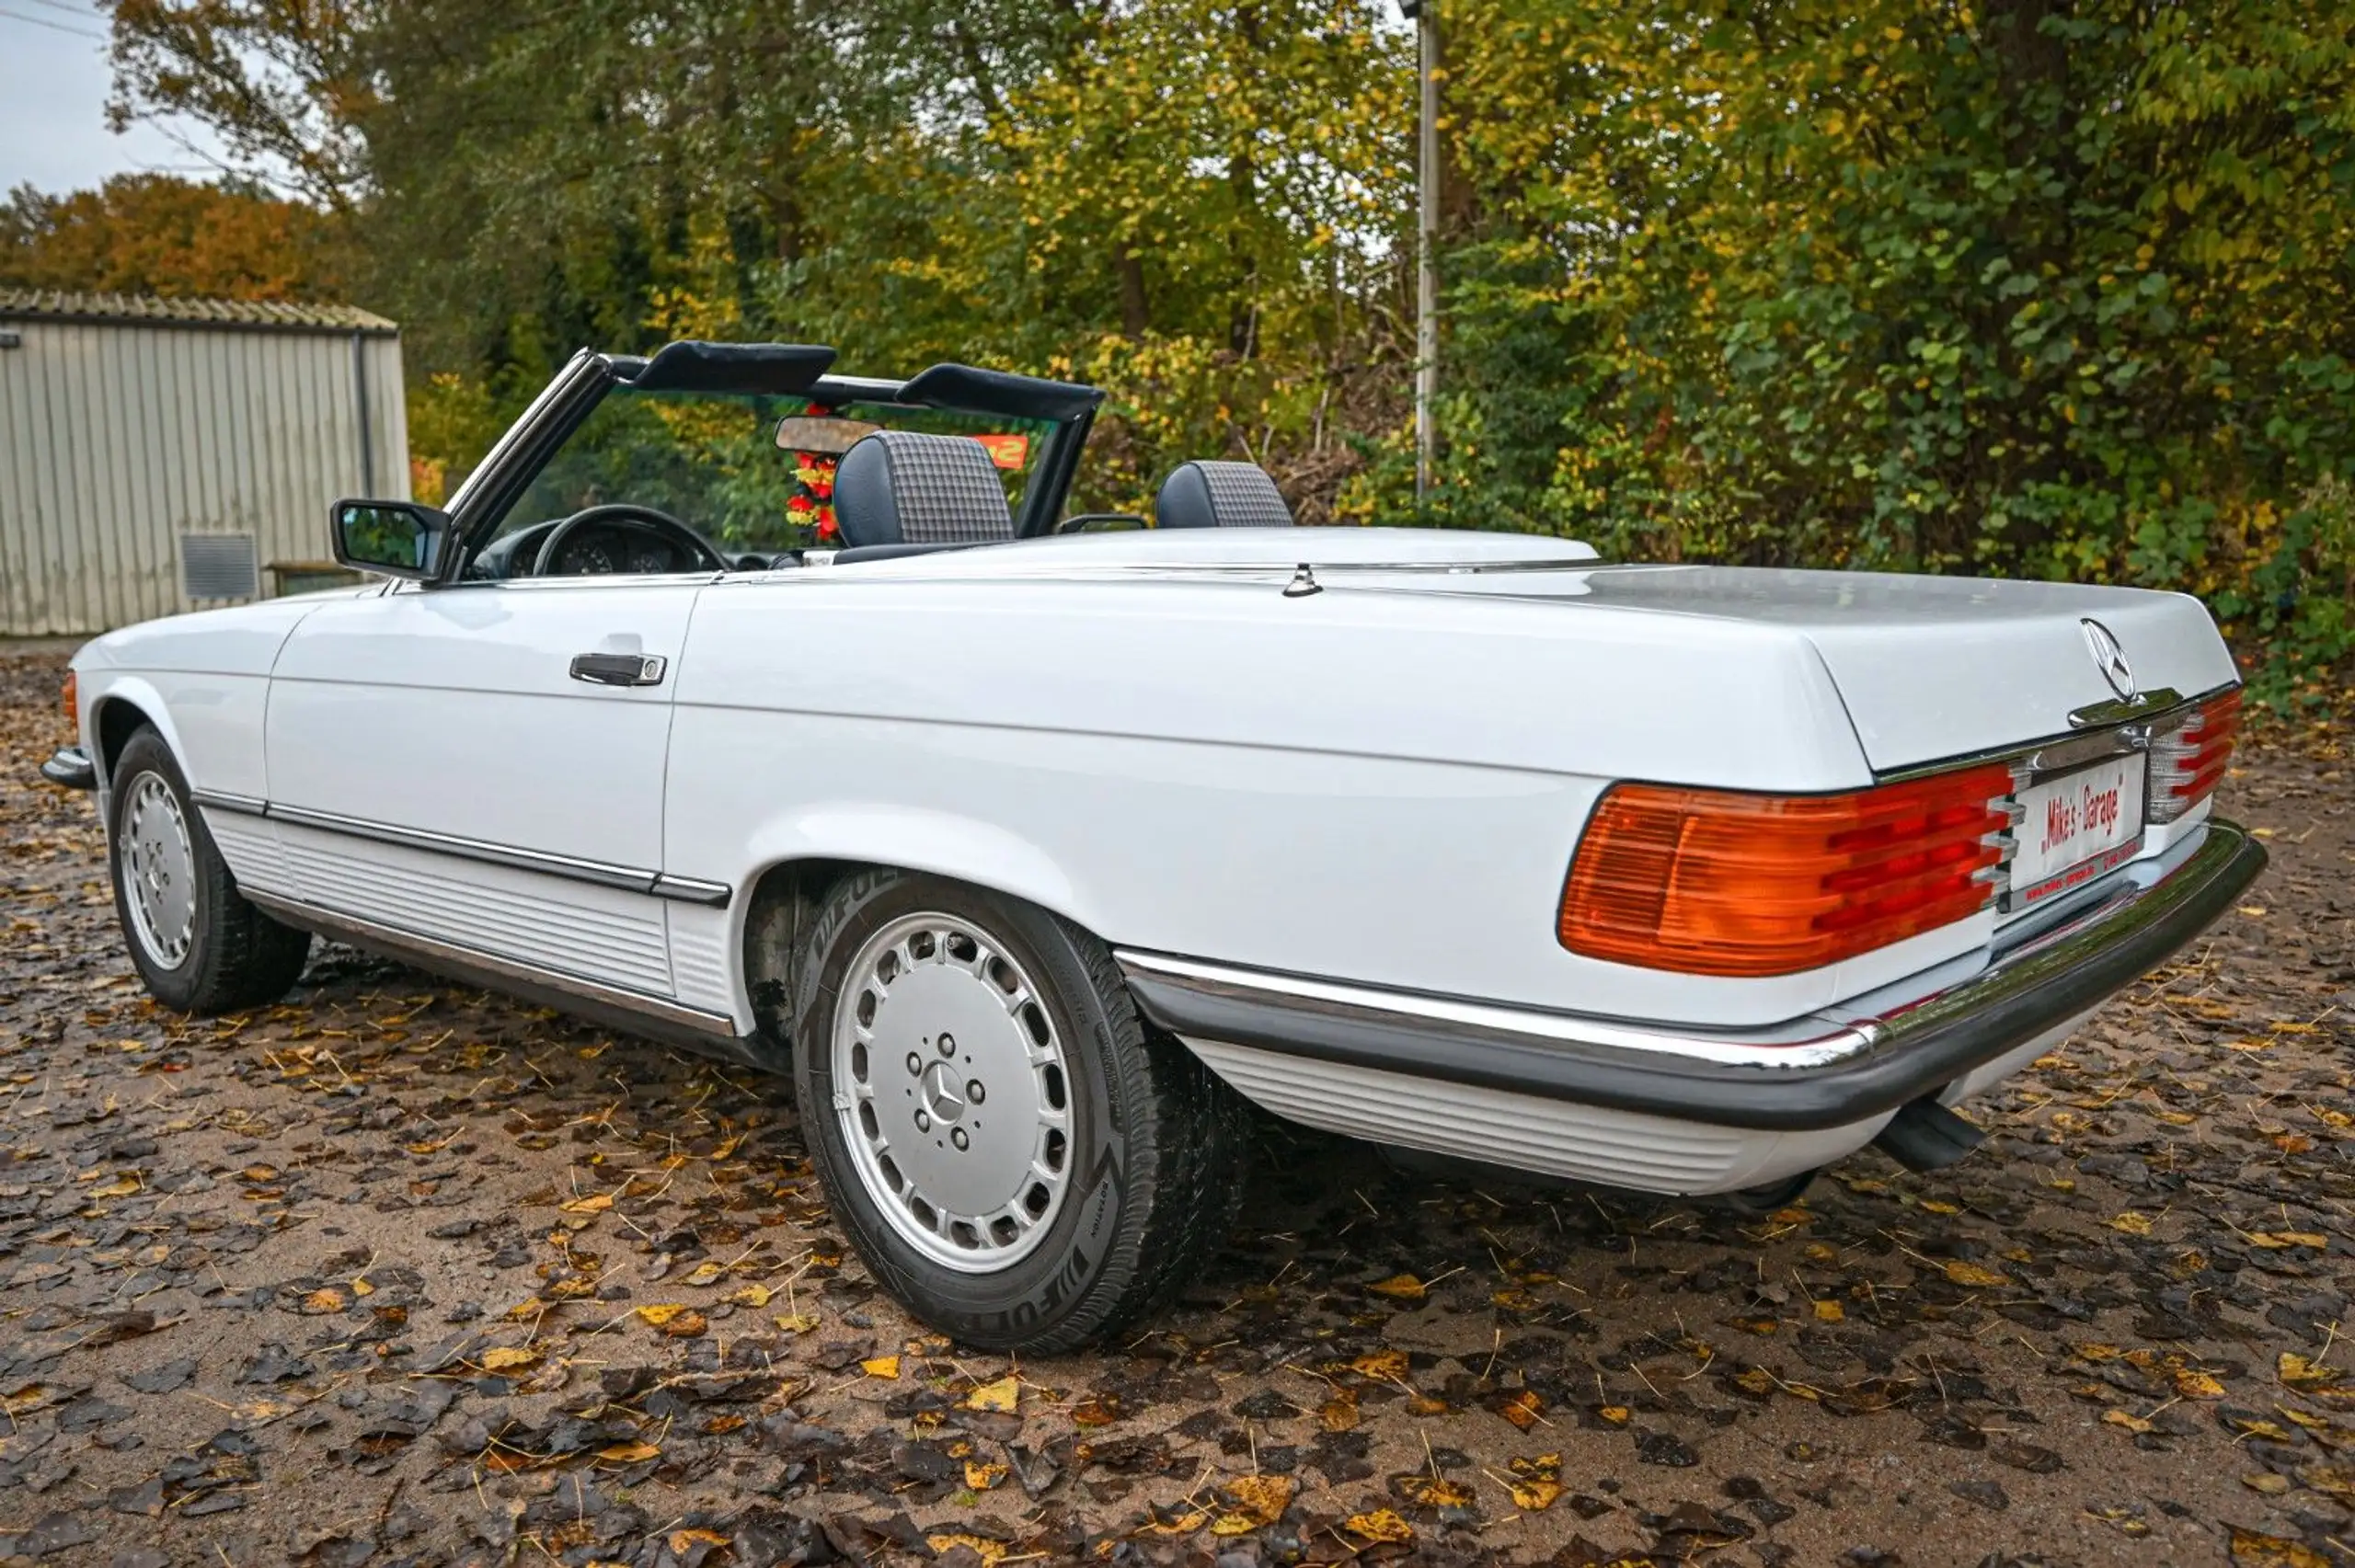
{"x":2076,"y":828}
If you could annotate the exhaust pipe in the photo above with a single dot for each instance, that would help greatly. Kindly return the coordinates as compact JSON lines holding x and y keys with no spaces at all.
{"x":1926,"y":1136}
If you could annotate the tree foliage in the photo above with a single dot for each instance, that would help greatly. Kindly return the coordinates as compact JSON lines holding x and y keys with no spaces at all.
{"x":156,"y":235}
{"x":2020,"y":287}
{"x":2055,"y":287}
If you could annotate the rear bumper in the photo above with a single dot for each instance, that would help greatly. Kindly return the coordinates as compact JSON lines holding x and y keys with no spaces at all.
{"x":1829,"y":1070}
{"x":72,"y":767}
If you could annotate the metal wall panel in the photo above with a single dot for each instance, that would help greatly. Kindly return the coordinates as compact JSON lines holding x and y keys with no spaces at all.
{"x":116,"y":437}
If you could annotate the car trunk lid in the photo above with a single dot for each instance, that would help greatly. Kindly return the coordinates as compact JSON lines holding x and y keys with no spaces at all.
{"x":1937,"y":668}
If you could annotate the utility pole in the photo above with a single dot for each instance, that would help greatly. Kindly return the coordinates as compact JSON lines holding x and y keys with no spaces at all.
{"x":1424,"y":14}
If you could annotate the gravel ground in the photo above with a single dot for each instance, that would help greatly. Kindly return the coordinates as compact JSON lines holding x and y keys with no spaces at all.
{"x":397,"y":1272}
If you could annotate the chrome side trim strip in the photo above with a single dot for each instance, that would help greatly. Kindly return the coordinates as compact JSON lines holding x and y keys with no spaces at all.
{"x":1811,"y":1041}
{"x":659,"y":885}
{"x":594,"y":871}
{"x":429,"y":953}
{"x":692,"y":890}
{"x":221,"y":800}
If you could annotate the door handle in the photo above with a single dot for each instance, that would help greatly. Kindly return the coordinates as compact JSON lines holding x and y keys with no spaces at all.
{"x":619,"y":668}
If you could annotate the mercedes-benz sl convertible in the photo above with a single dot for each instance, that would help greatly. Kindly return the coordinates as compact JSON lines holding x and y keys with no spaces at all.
{"x":787,"y":715}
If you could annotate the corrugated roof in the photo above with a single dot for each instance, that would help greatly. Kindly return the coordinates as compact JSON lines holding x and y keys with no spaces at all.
{"x":58,"y":304}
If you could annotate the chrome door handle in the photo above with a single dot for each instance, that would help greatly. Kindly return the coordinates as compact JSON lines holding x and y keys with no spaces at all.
{"x":619,"y":668}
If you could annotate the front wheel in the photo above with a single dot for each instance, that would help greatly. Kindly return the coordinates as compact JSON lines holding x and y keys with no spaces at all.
{"x":198,"y":945}
{"x":1018,"y":1160}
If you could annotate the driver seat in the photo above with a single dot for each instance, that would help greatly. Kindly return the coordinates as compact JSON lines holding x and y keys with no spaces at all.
{"x":902,"y":493}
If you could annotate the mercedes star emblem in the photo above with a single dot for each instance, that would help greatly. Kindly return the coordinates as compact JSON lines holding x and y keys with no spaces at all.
{"x":2109,"y":658}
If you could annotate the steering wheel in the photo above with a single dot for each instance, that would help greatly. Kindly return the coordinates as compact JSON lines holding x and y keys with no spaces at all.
{"x":646,"y":517}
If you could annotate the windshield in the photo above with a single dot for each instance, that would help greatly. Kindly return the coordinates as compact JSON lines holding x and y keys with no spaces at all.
{"x":712,"y":461}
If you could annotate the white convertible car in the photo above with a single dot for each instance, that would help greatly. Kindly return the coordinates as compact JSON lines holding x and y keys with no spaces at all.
{"x":785,"y":714}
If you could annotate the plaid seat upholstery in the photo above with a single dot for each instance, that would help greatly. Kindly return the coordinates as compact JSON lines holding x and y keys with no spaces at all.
{"x":1220,"y":495}
{"x":901,"y":488}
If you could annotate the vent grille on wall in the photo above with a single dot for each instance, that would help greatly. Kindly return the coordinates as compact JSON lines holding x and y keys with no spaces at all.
{"x":219,"y":566}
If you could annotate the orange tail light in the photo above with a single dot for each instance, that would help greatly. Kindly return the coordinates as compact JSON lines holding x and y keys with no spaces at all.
{"x":70,"y":698}
{"x":2189,"y":761}
{"x":1713,"y":882}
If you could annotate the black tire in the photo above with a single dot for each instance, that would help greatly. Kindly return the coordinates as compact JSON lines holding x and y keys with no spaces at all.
{"x":1158,"y":1142}
{"x":236,"y":956}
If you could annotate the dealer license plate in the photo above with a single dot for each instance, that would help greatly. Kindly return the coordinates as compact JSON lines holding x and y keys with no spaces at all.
{"x":2076,"y":828}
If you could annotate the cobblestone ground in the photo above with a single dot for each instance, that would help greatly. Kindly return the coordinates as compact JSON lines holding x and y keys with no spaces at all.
{"x":397,"y":1272}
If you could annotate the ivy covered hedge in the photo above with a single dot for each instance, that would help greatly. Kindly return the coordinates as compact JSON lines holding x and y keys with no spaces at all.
{"x":2021,"y":288}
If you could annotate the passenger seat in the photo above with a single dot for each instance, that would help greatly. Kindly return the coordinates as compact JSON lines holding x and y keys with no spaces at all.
{"x":904,"y":493}
{"x":1220,"y":495}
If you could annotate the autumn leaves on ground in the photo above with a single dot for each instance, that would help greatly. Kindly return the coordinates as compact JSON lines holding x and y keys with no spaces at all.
{"x":401,"y":1273}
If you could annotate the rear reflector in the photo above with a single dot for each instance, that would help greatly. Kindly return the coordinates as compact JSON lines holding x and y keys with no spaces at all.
{"x":70,"y":699}
{"x":2188,"y":760}
{"x":1712,"y":882}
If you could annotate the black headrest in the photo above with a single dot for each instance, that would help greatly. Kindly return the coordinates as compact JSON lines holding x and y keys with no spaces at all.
{"x":1220,"y":495}
{"x":899,"y":487}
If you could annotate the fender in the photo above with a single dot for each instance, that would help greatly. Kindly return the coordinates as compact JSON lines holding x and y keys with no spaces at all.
{"x":202,"y":680}
{"x":704,"y":941}
{"x":101,"y":688}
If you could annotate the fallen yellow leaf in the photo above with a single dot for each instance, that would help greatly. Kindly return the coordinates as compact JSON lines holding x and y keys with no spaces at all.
{"x":2132,"y":1422}
{"x":2133,"y":1224}
{"x":1829,"y":1311}
{"x":1002,"y":1396}
{"x":1534,"y":1496}
{"x":1260,"y":1501}
{"x":506,"y":1358}
{"x":1385,"y":1366}
{"x":2294,"y":1368}
{"x":881,"y":1367}
{"x":982,"y":1477}
{"x":1521,"y":1409}
{"x":595,"y":1203}
{"x":659,"y":1313}
{"x":1382,"y":1524}
{"x":1402,"y":1287}
{"x":1970,"y":1275}
{"x":990,"y":1551}
{"x":628,"y":1453}
{"x":797,"y":1322}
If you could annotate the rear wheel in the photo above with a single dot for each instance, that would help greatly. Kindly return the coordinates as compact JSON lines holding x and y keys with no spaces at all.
{"x":197,"y":944}
{"x":1016,"y":1159}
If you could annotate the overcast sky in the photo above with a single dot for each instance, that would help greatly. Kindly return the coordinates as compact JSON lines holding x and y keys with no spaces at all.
{"x":53,"y":78}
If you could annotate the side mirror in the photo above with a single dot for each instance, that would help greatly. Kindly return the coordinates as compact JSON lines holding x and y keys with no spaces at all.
{"x":398,"y":539}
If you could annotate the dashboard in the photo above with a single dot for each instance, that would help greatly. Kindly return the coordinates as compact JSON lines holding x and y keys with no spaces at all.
{"x":594,"y":549}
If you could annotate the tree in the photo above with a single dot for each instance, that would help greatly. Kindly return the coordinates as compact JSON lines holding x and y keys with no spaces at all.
{"x":156,"y":235}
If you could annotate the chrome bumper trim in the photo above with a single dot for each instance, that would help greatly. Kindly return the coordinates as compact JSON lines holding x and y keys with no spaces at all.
{"x":1821,"y":1072}
{"x":72,"y":767}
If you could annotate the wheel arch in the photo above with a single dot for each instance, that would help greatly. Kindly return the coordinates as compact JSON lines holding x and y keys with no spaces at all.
{"x":798,"y":862}
{"x":117,"y":713}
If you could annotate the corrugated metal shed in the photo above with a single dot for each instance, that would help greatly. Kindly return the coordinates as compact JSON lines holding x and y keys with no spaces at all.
{"x":159,"y":455}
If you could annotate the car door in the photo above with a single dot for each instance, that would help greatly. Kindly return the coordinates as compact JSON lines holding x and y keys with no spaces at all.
{"x":481,"y":765}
